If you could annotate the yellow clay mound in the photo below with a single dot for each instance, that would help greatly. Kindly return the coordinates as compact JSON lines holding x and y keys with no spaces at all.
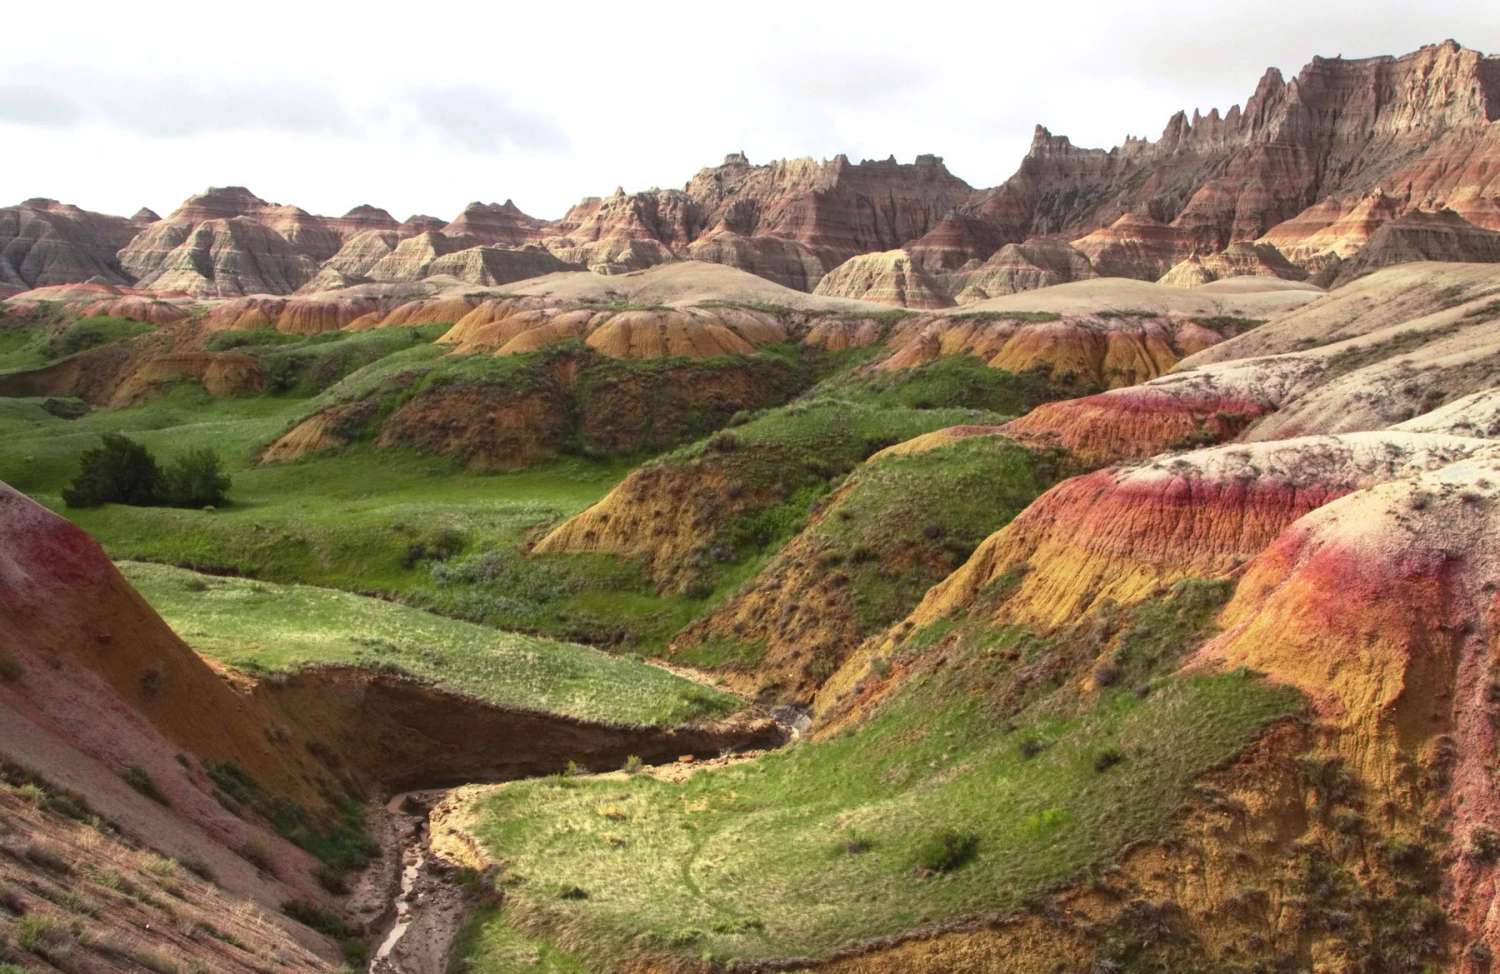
{"x":562,"y":327}
{"x":659,"y":334}
{"x":1125,"y":533}
{"x":934,"y":440}
{"x":1110,"y":352}
{"x":220,"y":373}
{"x":309,"y":436}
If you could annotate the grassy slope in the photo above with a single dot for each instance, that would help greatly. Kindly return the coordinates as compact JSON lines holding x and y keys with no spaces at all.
{"x":42,"y":339}
{"x":761,"y":848}
{"x":265,"y":627}
{"x":753,"y":861}
{"x":350,"y":519}
{"x":346,"y":520}
{"x":901,"y":524}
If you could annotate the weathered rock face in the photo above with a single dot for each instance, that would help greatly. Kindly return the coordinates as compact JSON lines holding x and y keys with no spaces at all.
{"x":1418,"y":127}
{"x":954,"y":242}
{"x":1022,"y":267}
{"x":260,"y":246}
{"x":775,"y":258}
{"x":44,"y":242}
{"x":887,"y":278}
{"x":221,"y":258}
{"x":791,"y":220}
{"x":411,"y":257}
{"x":361,"y":219}
{"x":364,"y":243}
{"x":363,"y":251}
{"x":1419,"y":235}
{"x":492,"y":266}
{"x":1239,"y":259}
{"x":496,"y":223}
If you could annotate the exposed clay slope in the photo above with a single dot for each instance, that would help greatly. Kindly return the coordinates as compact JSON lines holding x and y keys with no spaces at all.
{"x":893,"y":529}
{"x":1419,"y":236}
{"x":1380,"y":607}
{"x":1393,"y":368}
{"x":680,"y":283}
{"x":508,"y":326}
{"x":1076,"y":351}
{"x":885,"y":278}
{"x":1123,"y":533}
{"x":153,"y":913}
{"x":44,"y":242}
{"x":1389,"y":297}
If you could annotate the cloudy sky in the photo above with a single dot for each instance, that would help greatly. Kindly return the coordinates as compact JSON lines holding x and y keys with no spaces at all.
{"x":422,"y":107}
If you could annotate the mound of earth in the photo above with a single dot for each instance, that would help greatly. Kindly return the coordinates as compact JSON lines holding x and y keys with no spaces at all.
{"x":507,"y":327}
{"x":1414,"y":345}
{"x":569,"y":399}
{"x":45,"y":243}
{"x":886,"y":278}
{"x":1418,"y":236}
{"x":896,"y":527}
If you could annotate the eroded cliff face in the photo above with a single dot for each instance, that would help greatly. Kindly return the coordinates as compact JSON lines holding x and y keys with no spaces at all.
{"x":44,"y":242}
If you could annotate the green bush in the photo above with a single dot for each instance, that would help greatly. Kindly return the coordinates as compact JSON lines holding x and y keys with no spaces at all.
{"x":196,"y":479}
{"x":119,"y":471}
{"x":946,"y":850}
{"x":320,"y":918}
{"x":137,"y":778}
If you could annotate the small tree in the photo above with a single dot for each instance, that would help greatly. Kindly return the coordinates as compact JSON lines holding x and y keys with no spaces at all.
{"x":196,"y":480}
{"x":120,"y":471}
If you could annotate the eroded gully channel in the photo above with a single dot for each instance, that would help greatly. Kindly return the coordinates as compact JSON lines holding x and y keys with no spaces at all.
{"x":422,"y":746}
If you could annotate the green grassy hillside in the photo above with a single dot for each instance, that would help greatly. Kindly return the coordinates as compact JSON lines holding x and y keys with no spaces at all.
{"x":263,"y":627}
{"x":976,"y":784}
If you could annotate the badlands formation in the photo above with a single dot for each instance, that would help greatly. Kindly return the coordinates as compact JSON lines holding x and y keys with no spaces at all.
{"x":822,"y":567}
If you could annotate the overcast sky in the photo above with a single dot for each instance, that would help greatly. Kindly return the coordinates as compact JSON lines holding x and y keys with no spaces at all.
{"x":424,"y":106}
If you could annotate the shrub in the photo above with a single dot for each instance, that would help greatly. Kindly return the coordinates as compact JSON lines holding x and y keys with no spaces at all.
{"x":1107,"y":758}
{"x":195,"y":479}
{"x":1031,"y":747}
{"x":257,"y":855}
{"x":946,"y":850}
{"x":38,"y":933}
{"x":1484,"y":844}
{"x":356,"y":954}
{"x":119,"y":471}
{"x":137,"y":778}
{"x":320,"y":918}
{"x":633,"y":764}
